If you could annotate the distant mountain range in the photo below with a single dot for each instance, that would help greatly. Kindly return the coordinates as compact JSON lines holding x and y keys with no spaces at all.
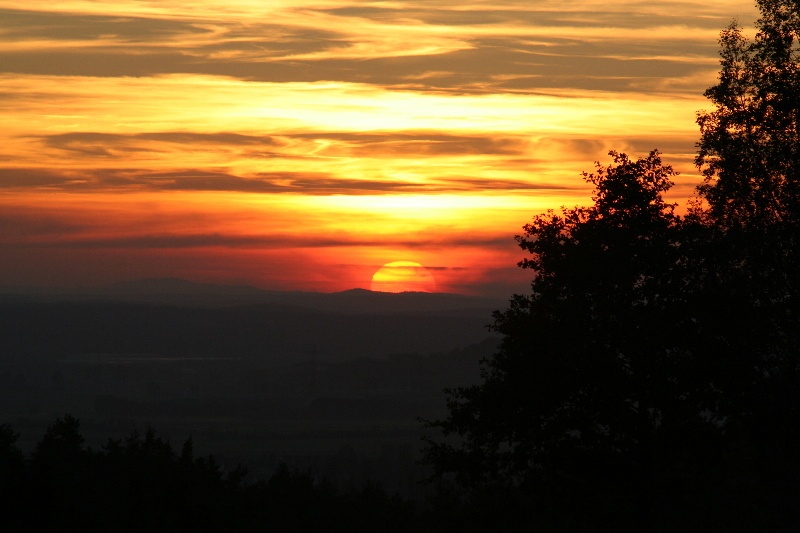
{"x":179,"y":292}
{"x":172,"y":317}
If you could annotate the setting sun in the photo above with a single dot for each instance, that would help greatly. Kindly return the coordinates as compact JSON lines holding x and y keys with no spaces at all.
{"x":403,"y":276}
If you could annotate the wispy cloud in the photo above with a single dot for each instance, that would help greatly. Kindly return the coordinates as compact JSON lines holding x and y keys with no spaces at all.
{"x":427,"y":131}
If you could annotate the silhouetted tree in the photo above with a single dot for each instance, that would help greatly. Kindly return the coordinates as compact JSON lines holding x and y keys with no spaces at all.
{"x":11,"y":458}
{"x":651,"y":378}
{"x":59,"y":467}
{"x":12,"y":466}
{"x":750,"y":143}
{"x":585,"y":384}
{"x":750,"y":156}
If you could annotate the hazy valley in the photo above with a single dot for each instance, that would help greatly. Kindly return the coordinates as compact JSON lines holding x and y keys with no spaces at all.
{"x":332,"y":382}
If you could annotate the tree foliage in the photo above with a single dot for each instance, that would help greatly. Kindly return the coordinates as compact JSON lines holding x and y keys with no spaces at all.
{"x":650,"y":378}
{"x":749,"y":149}
{"x":587,"y":383}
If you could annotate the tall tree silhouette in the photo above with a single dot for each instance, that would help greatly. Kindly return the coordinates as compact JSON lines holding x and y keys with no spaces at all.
{"x":59,"y":474}
{"x":750,"y":156}
{"x":750,"y":142}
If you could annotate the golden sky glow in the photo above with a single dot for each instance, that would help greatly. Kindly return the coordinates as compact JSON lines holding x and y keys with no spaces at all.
{"x":304,"y":145}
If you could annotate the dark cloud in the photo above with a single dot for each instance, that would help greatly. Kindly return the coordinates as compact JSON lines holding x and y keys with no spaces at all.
{"x":358,"y":144}
{"x":525,"y":15}
{"x":181,"y":137}
{"x":22,"y":224}
{"x":484,"y":184}
{"x":145,"y":46}
{"x":200,"y":180}
{"x":275,"y":182}
{"x":31,"y":177}
{"x":422,"y":143}
{"x":514,"y":64}
{"x":142,"y":33}
{"x":446,"y":269}
{"x":20,"y":24}
{"x":105,"y":144}
{"x":70,"y":238}
{"x":268,"y":52}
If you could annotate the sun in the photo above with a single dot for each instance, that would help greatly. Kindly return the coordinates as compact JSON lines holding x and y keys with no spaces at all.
{"x":403,"y":276}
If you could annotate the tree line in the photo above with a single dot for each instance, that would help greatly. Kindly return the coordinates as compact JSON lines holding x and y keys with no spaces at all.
{"x":140,"y":483}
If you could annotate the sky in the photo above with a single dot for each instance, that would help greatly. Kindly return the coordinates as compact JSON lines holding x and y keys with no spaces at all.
{"x":303,"y":145}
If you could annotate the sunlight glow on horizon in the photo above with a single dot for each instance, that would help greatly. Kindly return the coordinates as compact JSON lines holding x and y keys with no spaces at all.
{"x":403,"y":276}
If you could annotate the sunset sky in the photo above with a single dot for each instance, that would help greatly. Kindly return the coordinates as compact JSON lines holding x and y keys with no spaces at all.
{"x":302,"y":145}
